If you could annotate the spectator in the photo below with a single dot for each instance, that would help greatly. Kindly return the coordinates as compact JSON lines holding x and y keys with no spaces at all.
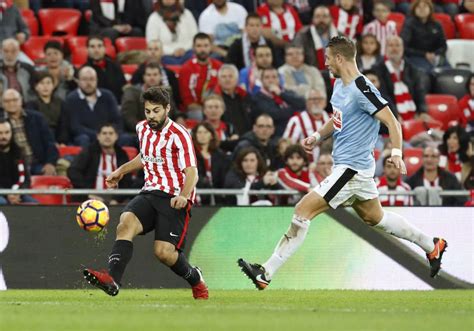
{"x":88,"y":108}
{"x":96,"y":162}
{"x":402,"y":6}
{"x":50,"y":106}
{"x":213,"y":109}
{"x":241,"y":52}
{"x":237,"y":102}
{"x":424,"y":38}
{"x":368,"y":52}
{"x":132,"y":106}
{"x":305,"y":8}
{"x":298,"y":76}
{"x":174,"y":26}
{"x":295,"y":175}
{"x":12,"y":24}
{"x":212,"y":163}
{"x":14,"y":173}
{"x":467,"y":6}
{"x":276,"y":101}
{"x":455,"y":152}
{"x":115,"y":19}
{"x":450,"y":7}
{"x":466,"y":106}
{"x":381,"y":27}
{"x":109,"y":73}
{"x":223,"y":21}
{"x":168,"y":77}
{"x":31,"y":133}
{"x":322,"y":169}
{"x":261,"y":139}
{"x":280,"y":21}
{"x":392,"y":181}
{"x":250,"y":77}
{"x":304,"y":124}
{"x":61,"y":70}
{"x":198,"y":76}
{"x":430,"y":175}
{"x":14,"y":73}
{"x":347,"y":18}
{"x":249,"y":172}
{"x":315,"y":37}
{"x":405,"y":84}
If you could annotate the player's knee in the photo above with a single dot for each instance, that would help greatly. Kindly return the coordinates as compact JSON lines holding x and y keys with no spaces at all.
{"x":371,"y":219}
{"x":127,"y":225}
{"x":164,"y":253}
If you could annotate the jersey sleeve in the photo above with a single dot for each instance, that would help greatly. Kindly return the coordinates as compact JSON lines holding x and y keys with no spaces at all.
{"x":368,"y":97}
{"x":186,"y":154}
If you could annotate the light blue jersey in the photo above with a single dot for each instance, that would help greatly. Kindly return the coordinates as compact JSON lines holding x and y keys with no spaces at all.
{"x":355,"y":127}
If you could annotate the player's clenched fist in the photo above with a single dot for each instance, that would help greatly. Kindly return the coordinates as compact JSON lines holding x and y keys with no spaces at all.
{"x":179,"y":202}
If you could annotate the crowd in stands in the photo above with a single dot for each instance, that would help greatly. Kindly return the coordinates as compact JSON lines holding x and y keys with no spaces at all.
{"x":246,"y":78}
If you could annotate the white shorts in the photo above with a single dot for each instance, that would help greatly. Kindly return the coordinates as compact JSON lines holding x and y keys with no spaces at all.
{"x":345,"y":185}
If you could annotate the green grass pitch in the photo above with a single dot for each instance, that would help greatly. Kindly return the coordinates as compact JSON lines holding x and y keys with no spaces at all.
{"x":236,"y":310}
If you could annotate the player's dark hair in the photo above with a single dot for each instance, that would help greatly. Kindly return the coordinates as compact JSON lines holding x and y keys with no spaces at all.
{"x":251,"y":16}
{"x":213,"y":144}
{"x":53,"y":44}
{"x":261,"y":167}
{"x":156,"y":95}
{"x":201,"y":35}
{"x":343,"y":46}
{"x":295,"y":149}
{"x":95,"y":37}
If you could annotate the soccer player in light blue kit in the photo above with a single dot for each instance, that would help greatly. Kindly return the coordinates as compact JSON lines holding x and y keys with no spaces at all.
{"x":358,"y":111}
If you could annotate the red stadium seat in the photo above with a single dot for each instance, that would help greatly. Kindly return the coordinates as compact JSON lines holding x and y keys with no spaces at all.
{"x":79,"y":57}
{"x":88,"y":15}
{"x":130,"y":43}
{"x":80,"y":42}
{"x":413,"y":158}
{"x":59,"y":21}
{"x":51,"y":182}
{"x":129,"y":70}
{"x":33,"y":47}
{"x":443,"y":108}
{"x":412,"y":127}
{"x":465,"y":25}
{"x":191,"y":123}
{"x":131,"y":151}
{"x":30,"y":19}
{"x":69,"y":150}
{"x":399,"y":20}
{"x":447,"y":24}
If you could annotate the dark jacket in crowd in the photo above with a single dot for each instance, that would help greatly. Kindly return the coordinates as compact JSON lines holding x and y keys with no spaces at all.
{"x":9,"y":174}
{"x":137,"y":78}
{"x":237,"y":112}
{"x":219,"y":166}
{"x":447,"y":181}
{"x":268,"y":152}
{"x":262,"y":103}
{"x":12,"y":23}
{"x":134,"y":14}
{"x":421,"y":38}
{"x":110,"y":78}
{"x":25,"y":75}
{"x":415,"y":80}
{"x":235,"y":53}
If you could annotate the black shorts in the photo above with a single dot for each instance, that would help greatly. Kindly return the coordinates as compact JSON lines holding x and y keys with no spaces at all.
{"x":154,"y":212}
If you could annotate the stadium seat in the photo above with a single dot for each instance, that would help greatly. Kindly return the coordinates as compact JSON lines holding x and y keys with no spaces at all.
{"x":80,"y":43}
{"x":451,"y":81}
{"x":79,"y":57}
{"x":30,"y":19}
{"x":465,"y":25}
{"x":447,"y":24}
{"x":411,"y":128}
{"x":33,"y":47}
{"x":443,"y":108}
{"x":69,"y":150}
{"x":460,"y":52}
{"x":59,"y":21}
{"x":88,"y":15}
{"x":131,"y":151}
{"x":51,"y":182}
{"x":129,"y":70}
{"x":413,"y":158}
{"x":130,"y":43}
{"x":190,"y":123}
{"x":399,"y":20}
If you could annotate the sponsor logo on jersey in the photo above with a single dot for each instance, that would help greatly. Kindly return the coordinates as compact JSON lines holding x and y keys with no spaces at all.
{"x":157,"y":159}
{"x":337,"y":119}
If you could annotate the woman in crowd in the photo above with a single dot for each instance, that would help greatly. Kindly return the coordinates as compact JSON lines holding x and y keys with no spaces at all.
{"x":368,"y":52}
{"x":456,"y":151}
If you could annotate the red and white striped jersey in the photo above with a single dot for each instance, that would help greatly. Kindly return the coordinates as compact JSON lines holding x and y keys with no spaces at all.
{"x":285,"y":25}
{"x":381,"y":31}
{"x":165,"y":154}
{"x":394,"y":200}
{"x":349,"y":24}
{"x":292,"y":181}
{"x":107,"y":164}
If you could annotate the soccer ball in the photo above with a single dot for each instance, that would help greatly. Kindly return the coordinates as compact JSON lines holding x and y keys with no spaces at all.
{"x":92,"y":215}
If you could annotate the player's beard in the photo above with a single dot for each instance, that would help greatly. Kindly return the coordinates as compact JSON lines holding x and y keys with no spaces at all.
{"x":157,"y":125}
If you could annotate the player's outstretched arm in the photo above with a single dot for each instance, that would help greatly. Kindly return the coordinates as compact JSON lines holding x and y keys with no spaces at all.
{"x":190,"y":181}
{"x":133,"y":165}
{"x":395,"y":133}
{"x":310,"y":142}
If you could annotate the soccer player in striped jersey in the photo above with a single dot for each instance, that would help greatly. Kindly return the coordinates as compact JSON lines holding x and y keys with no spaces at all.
{"x":169,"y":162}
{"x":358,"y":110}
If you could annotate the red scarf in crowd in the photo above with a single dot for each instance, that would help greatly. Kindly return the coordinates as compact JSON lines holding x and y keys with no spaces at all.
{"x":403,"y":99}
